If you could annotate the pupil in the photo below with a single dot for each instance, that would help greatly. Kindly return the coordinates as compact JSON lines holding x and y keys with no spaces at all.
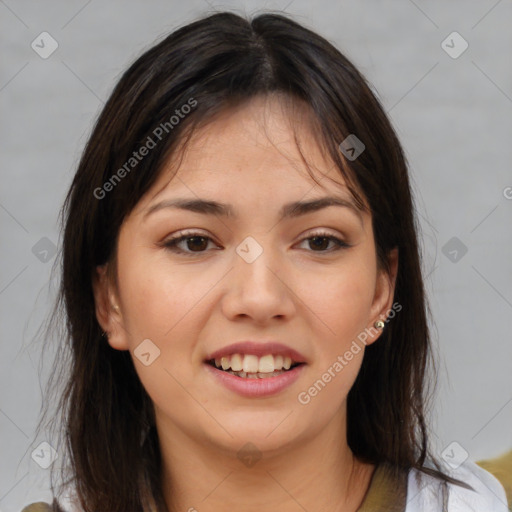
{"x":315,"y":240}
{"x":195,"y":238}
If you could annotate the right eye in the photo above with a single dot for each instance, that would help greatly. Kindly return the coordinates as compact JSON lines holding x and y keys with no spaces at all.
{"x":193,"y":240}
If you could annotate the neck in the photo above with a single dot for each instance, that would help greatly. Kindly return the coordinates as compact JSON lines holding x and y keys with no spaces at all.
{"x":316,"y":474}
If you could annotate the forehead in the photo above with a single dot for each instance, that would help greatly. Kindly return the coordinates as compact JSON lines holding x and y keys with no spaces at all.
{"x":251,"y":153}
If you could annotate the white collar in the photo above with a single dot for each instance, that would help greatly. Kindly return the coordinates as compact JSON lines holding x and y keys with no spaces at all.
{"x":427,"y":496}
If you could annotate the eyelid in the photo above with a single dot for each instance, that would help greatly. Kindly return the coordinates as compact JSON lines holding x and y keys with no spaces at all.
{"x":319,"y":232}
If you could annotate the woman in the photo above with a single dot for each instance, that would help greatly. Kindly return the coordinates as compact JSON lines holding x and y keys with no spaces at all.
{"x":241,"y":279}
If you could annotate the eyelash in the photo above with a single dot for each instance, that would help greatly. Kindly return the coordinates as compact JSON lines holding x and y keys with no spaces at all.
{"x":172,"y":243}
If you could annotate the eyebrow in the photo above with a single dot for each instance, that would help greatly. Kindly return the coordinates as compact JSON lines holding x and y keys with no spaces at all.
{"x":289,"y":210}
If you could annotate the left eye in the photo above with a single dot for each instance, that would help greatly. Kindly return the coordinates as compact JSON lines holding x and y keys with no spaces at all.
{"x":197,"y":243}
{"x":318,"y":240}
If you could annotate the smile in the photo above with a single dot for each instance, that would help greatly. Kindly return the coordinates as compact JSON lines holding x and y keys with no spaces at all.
{"x":255,"y":384}
{"x":251,"y":366}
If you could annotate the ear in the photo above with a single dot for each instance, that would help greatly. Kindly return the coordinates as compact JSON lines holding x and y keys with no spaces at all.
{"x":108,"y":312}
{"x":383,"y":296}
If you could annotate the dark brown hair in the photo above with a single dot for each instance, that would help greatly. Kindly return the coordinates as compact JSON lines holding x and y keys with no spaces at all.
{"x":217,"y":62}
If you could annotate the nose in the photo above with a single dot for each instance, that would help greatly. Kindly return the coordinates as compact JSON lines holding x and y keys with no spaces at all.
{"x":261,"y":290}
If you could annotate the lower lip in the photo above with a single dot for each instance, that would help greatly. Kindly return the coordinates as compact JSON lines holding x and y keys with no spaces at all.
{"x":254,"y":388}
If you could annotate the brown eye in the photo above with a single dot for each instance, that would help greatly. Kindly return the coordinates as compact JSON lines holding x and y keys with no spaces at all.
{"x":198,"y":242}
{"x":188,"y":244}
{"x":319,"y":242}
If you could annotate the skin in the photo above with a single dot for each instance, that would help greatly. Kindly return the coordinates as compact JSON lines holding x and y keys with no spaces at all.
{"x":312,"y":298}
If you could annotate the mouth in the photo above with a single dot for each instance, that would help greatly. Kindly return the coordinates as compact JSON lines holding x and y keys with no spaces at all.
{"x":250,"y":366}
{"x":255,"y":369}
{"x":249,"y":381}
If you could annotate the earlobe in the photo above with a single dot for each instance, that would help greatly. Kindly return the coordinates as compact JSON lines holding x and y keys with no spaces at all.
{"x":393,"y":271}
{"x":384,"y":294}
{"x":100,"y":290}
{"x":107,"y":311}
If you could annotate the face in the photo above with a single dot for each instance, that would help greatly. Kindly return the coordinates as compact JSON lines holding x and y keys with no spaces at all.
{"x":192,"y":283}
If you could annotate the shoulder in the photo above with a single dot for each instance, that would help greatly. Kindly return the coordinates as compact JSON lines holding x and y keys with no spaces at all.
{"x":39,"y":506}
{"x":501,"y":468}
{"x":426,"y":493}
{"x":63,"y":505}
{"x":43,"y":506}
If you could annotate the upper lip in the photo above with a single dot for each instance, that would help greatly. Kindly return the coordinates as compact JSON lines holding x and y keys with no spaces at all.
{"x":259,"y":349}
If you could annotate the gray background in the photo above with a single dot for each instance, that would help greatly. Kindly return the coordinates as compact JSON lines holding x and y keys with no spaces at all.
{"x":454,"y":117}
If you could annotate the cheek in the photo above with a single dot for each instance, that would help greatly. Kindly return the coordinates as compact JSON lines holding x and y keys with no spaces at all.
{"x":162,"y":305}
{"x":167,"y":316}
{"x":157,"y":298}
{"x":144,"y":315}
{"x":151,"y":302}
{"x":342,"y":300}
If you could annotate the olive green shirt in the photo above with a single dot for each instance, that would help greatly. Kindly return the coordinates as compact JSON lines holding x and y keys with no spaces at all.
{"x":385,"y":494}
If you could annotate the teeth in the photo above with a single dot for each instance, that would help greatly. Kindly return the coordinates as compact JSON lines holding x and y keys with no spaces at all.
{"x":251,"y":364}
{"x":257,"y":375}
{"x":236,"y":362}
{"x":266,"y":364}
